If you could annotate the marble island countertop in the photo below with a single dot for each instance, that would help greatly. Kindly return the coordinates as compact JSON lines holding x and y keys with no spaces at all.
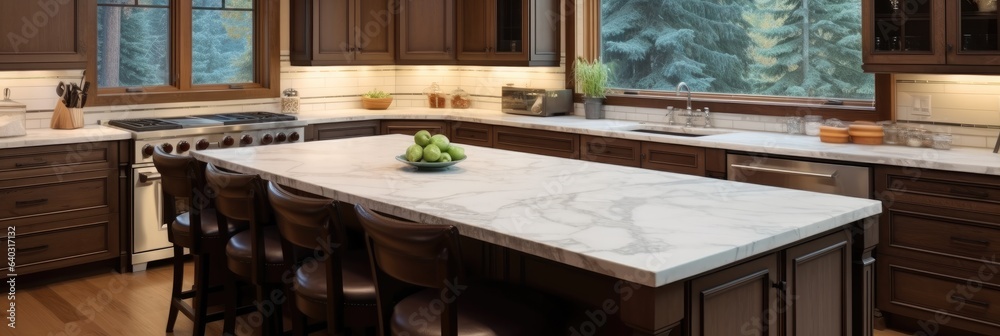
{"x":959,"y":159}
{"x":639,"y":225}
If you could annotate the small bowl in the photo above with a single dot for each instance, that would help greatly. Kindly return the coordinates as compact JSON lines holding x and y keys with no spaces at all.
{"x":376,"y":103}
{"x":428,"y":165}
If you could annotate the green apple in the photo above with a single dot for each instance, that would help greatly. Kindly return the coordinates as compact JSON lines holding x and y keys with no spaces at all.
{"x":422,"y":138}
{"x":456,"y":153}
{"x":414,"y":153}
{"x":441,"y":141}
{"x":445,"y":157}
{"x":432,"y":153}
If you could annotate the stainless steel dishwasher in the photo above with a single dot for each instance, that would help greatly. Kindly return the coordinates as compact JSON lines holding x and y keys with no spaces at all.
{"x":827,"y":178}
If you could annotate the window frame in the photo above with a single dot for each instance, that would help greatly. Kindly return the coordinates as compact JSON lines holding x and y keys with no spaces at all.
{"x":266,"y":63}
{"x":880,"y":109}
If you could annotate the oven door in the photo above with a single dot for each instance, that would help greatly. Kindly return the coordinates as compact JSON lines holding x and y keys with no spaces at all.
{"x":148,"y":232}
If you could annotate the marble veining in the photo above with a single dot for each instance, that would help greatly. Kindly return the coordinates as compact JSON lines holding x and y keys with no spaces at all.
{"x":48,"y":136}
{"x":634,"y":224}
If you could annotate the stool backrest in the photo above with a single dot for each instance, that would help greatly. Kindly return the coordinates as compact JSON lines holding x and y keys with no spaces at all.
{"x":420,"y":254}
{"x":238,"y":196}
{"x":182,"y":177}
{"x":304,"y":221}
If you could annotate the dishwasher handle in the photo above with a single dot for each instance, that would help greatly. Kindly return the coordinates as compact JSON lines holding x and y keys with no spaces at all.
{"x":784,"y":171}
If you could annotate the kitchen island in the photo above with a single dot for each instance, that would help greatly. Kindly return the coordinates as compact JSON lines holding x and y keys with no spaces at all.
{"x":659,"y":233}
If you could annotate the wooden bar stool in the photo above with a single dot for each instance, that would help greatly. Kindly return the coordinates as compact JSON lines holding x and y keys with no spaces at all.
{"x":183,"y":177}
{"x":334,"y":283}
{"x":428,"y":256}
{"x":254,"y":255}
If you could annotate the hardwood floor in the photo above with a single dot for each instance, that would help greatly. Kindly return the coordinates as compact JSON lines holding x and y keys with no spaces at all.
{"x":115,"y":304}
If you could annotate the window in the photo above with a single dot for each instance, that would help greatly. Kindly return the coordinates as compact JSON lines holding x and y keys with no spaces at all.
{"x":767,"y":49}
{"x":151,"y":51}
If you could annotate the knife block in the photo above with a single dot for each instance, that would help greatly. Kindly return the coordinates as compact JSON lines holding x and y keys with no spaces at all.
{"x":66,"y":118}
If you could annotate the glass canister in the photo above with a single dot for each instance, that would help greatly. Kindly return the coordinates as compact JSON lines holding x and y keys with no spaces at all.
{"x":793,"y":125}
{"x":891,"y":131}
{"x":941,"y":141}
{"x":435,"y":98}
{"x":915,"y":137}
{"x":812,"y":124}
{"x":460,"y":99}
{"x":290,"y":101}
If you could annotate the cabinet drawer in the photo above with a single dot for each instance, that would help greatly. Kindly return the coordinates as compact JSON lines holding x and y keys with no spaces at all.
{"x":411,"y":127}
{"x":952,"y":190}
{"x":673,"y":158}
{"x":344,"y":130}
{"x":549,"y":143}
{"x":947,"y":233}
{"x":48,"y":160}
{"x":610,"y":150}
{"x":472,"y":133}
{"x":45,"y":195}
{"x":937,"y":291}
{"x":70,"y":242}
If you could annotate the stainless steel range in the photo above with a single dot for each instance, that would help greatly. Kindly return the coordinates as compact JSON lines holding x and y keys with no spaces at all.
{"x":181,"y":136}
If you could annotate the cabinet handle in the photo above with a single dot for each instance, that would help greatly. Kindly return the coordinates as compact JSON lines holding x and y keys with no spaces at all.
{"x":147,"y":177}
{"x":949,"y":48}
{"x":33,"y":249}
{"x":980,"y":304}
{"x":968,"y":241}
{"x":969,"y":193}
{"x":359,"y":49}
{"x":31,"y":164}
{"x":21,"y":204}
{"x":780,"y":285}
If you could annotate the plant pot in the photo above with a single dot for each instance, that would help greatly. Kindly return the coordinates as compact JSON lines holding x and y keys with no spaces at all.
{"x":592,"y":108}
{"x":376,"y":103}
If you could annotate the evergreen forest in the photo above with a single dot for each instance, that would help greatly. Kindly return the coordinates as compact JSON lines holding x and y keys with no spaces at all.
{"x":799,"y":48}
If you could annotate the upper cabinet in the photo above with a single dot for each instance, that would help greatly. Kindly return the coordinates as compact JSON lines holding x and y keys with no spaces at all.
{"x":949,"y":36}
{"x":342,"y":32}
{"x":426,"y":32}
{"x":509,"y":32}
{"x":43,"y":35}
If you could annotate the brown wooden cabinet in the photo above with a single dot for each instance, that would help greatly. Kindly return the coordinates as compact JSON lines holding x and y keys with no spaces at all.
{"x":62,"y":202}
{"x":673,"y":158}
{"x":566,"y":145}
{"x":470,"y":133}
{"x":42,"y":35}
{"x":947,"y":36}
{"x":342,"y":32}
{"x":939,"y":235}
{"x":806,"y":287}
{"x":411,"y":127}
{"x":426,"y":32}
{"x":622,"y":152}
{"x":342,"y":130}
{"x":509,"y":32}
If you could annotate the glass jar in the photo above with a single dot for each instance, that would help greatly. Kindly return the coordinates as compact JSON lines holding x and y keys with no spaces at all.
{"x":941,"y":141}
{"x":812,"y":124}
{"x":460,"y":99}
{"x":891,"y":132}
{"x":290,"y":101}
{"x":915,"y":137}
{"x":793,"y":125}
{"x":435,"y":98}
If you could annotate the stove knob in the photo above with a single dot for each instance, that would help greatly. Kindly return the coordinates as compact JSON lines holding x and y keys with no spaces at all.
{"x":281,"y":137}
{"x":202,"y":144}
{"x":227,"y":141}
{"x":147,"y":150}
{"x":183,"y":146}
{"x":293,"y":137}
{"x":246,"y":140}
{"x":167,"y":147}
{"x":267,"y":139}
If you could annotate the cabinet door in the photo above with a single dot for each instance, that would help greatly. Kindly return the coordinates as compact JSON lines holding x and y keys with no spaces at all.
{"x":545,"y":33}
{"x":427,"y":30}
{"x":472,"y":133}
{"x":610,"y":150}
{"x":510,"y":31}
{"x":973,"y":31}
{"x":673,"y":158}
{"x":817,"y":296}
{"x":344,"y":130}
{"x":321,"y":32}
{"x":45,"y":34}
{"x":911,"y":32}
{"x":566,"y":145}
{"x":475,"y":28}
{"x":740,"y":300}
{"x":411,"y":127}
{"x":373,"y":31}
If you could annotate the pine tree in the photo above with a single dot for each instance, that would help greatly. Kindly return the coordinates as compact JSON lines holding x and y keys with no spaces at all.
{"x":655,"y":44}
{"x":143,"y":44}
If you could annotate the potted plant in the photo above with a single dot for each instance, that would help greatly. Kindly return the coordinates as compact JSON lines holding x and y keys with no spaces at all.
{"x":592,"y":78}
{"x":376,"y":99}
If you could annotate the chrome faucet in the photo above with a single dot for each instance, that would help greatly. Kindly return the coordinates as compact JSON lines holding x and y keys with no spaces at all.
{"x":682,"y":84}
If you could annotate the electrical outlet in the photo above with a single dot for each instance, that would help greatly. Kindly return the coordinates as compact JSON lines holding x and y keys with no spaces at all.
{"x":921,"y":105}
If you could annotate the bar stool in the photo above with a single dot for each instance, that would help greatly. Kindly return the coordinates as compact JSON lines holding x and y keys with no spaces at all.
{"x":255,"y":254}
{"x":197,"y":230}
{"x":334,"y":283}
{"x":428,"y":256}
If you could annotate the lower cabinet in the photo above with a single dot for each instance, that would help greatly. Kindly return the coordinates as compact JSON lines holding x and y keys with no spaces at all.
{"x":471,"y":133}
{"x":342,"y":130}
{"x":411,"y":127}
{"x":622,"y":152}
{"x":558,"y":144}
{"x":803,"y":290}
{"x":673,"y":158}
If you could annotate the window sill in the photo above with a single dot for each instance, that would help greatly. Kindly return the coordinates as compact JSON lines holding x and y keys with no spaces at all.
{"x":118,"y":99}
{"x":775,"y":108}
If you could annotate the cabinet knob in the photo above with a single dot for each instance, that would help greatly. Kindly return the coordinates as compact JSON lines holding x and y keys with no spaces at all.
{"x":949,"y":47}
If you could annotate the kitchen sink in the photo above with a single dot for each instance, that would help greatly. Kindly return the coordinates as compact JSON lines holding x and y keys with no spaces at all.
{"x":672,"y":130}
{"x":668,"y":133}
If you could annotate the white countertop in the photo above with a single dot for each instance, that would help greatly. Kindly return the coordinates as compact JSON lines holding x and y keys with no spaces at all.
{"x":634,"y":224}
{"x":48,"y":136}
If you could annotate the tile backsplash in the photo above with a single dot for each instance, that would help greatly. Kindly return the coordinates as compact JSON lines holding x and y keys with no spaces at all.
{"x":965,"y":105}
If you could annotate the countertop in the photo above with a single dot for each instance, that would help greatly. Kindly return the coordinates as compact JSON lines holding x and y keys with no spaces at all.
{"x":634,"y":224}
{"x":48,"y":136}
